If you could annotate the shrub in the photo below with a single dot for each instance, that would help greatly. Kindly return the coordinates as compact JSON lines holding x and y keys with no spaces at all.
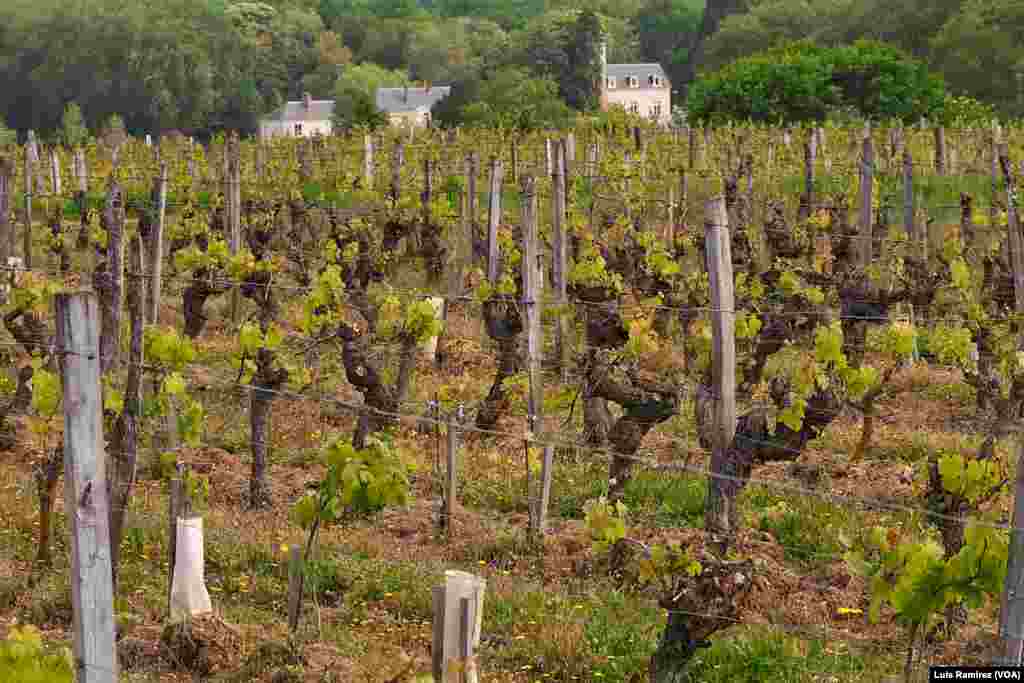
{"x":804,"y":82}
{"x":23,"y":658}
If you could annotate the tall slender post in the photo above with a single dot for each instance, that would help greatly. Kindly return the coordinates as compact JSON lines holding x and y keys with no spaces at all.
{"x":85,"y":496}
{"x":234,"y":198}
{"x":295,"y":581}
{"x":494,"y":219}
{"x":531,"y":303}
{"x":55,"y":172}
{"x":27,"y":235}
{"x":452,"y":483}
{"x":368,"y":161}
{"x":156,"y":248}
{"x":720,"y":511}
{"x":867,"y":176}
{"x":1011,"y":616}
{"x":560,"y":256}
{"x":6,"y":229}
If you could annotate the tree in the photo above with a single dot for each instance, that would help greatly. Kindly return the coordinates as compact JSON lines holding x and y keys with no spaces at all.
{"x":354,"y":107}
{"x":803,"y":82}
{"x":580,"y":87}
{"x":73,"y":130}
{"x":980,"y":53}
{"x":667,"y":31}
{"x":714,"y":13}
{"x":509,"y":98}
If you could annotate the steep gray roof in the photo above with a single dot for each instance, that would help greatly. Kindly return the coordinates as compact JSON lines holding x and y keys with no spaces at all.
{"x":319,"y":110}
{"x":393,"y":100}
{"x":641,"y":71}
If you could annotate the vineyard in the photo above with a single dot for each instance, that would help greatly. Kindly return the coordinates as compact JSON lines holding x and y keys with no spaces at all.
{"x":731,"y":404}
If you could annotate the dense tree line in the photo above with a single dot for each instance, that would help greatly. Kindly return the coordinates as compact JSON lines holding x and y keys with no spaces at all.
{"x":203,"y":65}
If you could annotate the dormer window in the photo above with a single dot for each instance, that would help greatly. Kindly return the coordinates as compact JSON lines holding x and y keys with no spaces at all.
{"x":632,"y":82}
{"x":298,"y":129}
{"x":611,"y":82}
{"x":654,"y":81}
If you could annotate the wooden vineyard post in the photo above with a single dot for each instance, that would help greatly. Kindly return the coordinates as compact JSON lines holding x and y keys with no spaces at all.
{"x":234,"y":164}
{"x":867,"y":175}
{"x":156,"y":248}
{"x":458,"y":616}
{"x":452,"y":476}
{"x":559,"y":266}
{"x":85,"y":496}
{"x":368,"y":161}
{"x":1011,"y":613}
{"x":940,"y":150}
{"x":494,"y":219}
{"x":810,"y":158}
{"x":55,"y":172}
{"x":514,"y":160}
{"x":472,"y":196}
{"x":6,"y":229}
{"x":532,"y":306}
{"x":178,"y":505}
{"x":531,"y":303}
{"x":720,"y":511}
{"x":27,"y":235}
{"x":1013,"y":226}
{"x":993,"y":211}
{"x":539,"y":513}
{"x":397,"y":161}
{"x":909,"y":206}
{"x":295,"y":584}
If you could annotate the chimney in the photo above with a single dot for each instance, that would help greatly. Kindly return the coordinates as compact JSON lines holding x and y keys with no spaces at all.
{"x":307,"y":101}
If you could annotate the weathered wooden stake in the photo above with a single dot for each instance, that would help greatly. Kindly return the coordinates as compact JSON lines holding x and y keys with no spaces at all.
{"x":532,"y":304}
{"x":452,"y":484}
{"x":494,"y":219}
{"x":156,"y":248}
{"x":55,"y":172}
{"x":27,"y":236}
{"x":296,"y":579}
{"x":368,"y":161}
{"x":719,"y":511}
{"x":867,"y":175}
{"x":85,"y":496}
{"x":560,"y":257}
{"x":234,"y":201}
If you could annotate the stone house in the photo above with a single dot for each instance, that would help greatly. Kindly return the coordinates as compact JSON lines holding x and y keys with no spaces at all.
{"x":304,"y":118}
{"x":641,"y":89}
{"x":410,"y":106}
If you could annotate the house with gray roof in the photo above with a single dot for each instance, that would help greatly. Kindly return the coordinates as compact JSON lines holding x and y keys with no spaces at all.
{"x":302,"y":118}
{"x":410,"y":106}
{"x":642,"y":89}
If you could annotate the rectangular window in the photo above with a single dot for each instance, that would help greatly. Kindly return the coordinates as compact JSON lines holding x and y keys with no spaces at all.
{"x":611,"y":83}
{"x":634,"y":107}
{"x":656,"y":110}
{"x":298,"y":129}
{"x":654,"y":81}
{"x":632,"y":82}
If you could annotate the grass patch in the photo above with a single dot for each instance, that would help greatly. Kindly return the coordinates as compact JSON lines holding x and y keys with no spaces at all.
{"x":807,"y":529}
{"x":773,"y":657}
{"x":672,"y":500}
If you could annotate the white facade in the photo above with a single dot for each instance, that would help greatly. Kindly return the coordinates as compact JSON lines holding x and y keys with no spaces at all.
{"x":304,"y":118}
{"x":641,"y":89}
{"x":650,"y":102}
{"x":270,"y":128}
